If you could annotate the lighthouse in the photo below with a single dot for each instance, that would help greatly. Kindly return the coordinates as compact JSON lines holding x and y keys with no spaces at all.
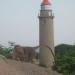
{"x":46,"y":34}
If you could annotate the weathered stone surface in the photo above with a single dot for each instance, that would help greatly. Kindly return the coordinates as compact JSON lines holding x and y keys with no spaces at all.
{"x":12,"y":67}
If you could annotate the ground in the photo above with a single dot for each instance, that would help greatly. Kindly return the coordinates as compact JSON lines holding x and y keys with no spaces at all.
{"x":12,"y":67}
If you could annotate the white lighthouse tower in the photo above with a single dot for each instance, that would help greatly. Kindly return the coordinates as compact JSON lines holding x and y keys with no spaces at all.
{"x":46,"y":38}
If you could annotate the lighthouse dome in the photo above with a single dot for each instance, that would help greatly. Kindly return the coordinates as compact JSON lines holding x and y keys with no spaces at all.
{"x":45,"y":5}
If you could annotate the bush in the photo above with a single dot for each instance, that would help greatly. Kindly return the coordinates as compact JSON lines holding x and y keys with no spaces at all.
{"x":6,"y":52}
{"x":65,"y":59}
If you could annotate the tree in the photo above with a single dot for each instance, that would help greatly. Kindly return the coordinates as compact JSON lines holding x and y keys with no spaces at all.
{"x":65,"y":59}
{"x":11,"y":44}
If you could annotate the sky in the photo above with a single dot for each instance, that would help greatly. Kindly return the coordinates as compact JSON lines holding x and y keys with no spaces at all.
{"x":19,"y":21}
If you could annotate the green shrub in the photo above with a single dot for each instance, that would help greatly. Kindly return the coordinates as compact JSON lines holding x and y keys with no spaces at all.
{"x":6,"y":52}
{"x":65,"y":59}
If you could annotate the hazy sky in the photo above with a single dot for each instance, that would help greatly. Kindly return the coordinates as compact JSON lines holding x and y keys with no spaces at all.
{"x":19,"y":21}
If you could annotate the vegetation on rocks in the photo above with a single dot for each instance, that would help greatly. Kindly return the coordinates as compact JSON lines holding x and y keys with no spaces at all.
{"x":65,"y":59}
{"x":6,"y":52}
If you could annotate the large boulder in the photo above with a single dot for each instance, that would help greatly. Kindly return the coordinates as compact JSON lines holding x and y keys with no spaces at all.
{"x":27,"y":54}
